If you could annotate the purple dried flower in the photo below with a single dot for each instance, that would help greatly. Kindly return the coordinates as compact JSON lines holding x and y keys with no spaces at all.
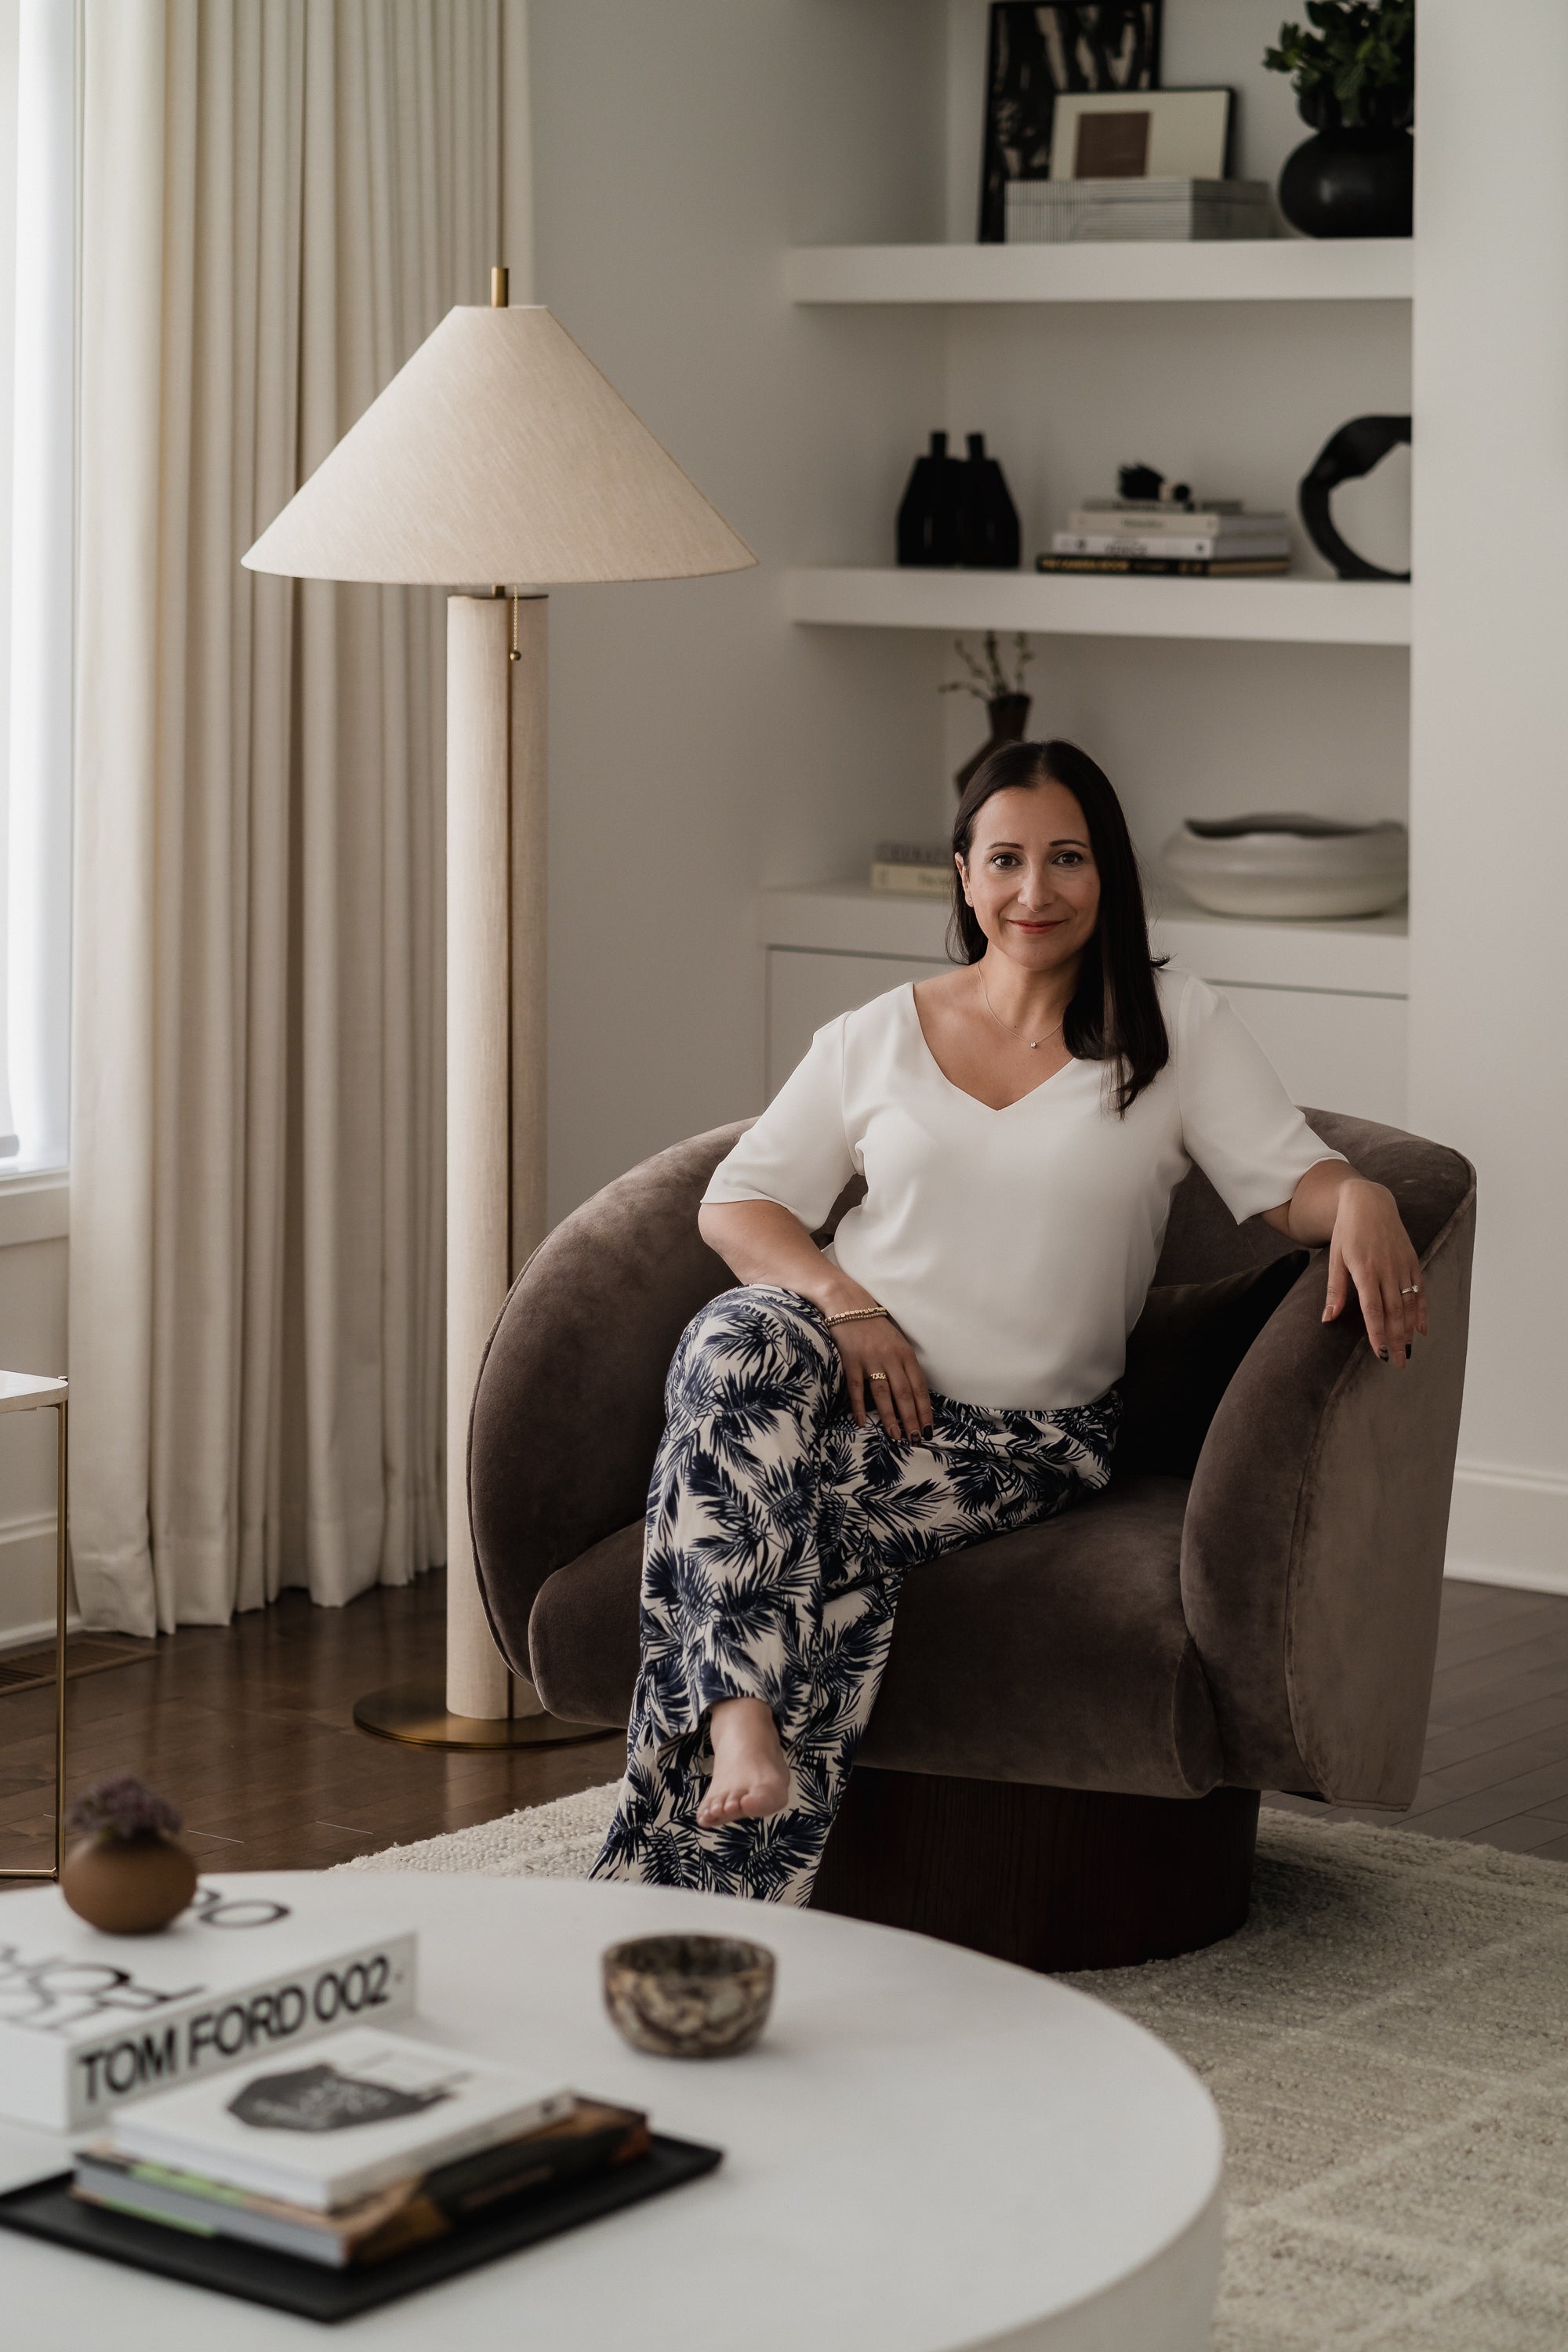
{"x":122,"y":1807}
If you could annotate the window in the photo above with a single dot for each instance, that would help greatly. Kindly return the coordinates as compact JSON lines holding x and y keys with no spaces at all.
{"x":38,"y":419}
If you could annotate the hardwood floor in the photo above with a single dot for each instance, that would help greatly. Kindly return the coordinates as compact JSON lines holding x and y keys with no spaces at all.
{"x":249,"y":1729}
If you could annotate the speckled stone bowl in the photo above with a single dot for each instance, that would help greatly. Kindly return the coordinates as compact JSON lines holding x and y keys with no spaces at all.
{"x":689,"y":1996}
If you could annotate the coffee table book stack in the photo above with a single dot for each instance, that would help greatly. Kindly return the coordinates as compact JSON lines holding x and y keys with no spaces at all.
{"x":242,"y":2136}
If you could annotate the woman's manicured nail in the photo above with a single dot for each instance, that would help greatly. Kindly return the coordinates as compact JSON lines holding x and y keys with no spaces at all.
{"x":1382,"y":1355}
{"x":1407,"y":1351}
{"x":928,"y":1432}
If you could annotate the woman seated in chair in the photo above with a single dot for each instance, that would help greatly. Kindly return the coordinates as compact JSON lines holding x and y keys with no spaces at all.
{"x":946,"y":1368}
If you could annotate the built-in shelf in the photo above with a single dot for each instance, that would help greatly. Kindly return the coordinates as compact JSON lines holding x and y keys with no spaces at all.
{"x":1277,"y":269}
{"x":1364,"y":958}
{"x":1295,"y":612}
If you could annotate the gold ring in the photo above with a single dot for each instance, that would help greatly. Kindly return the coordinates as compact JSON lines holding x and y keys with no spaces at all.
{"x":875,"y":1376}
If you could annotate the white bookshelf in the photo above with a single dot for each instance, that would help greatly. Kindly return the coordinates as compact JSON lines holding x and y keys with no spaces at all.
{"x":1279,"y":270}
{"x":1281,"y":612}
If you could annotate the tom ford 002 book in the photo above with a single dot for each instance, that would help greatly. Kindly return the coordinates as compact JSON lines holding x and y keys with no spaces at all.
{"x":89,"y":2022}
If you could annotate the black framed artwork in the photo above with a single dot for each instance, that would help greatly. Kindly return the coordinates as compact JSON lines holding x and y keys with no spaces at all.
{"x":1037,"y":48}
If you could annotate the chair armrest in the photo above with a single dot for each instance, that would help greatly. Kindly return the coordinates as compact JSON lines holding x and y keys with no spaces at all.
{"x":1312,"y":1551}
{"x":569,"y":1406}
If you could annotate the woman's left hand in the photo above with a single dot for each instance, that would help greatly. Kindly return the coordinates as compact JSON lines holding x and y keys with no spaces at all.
{"x":1370,"y":1248}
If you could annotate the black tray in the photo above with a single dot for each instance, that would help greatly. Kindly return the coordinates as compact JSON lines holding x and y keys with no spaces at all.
{"x":310,"y":2290}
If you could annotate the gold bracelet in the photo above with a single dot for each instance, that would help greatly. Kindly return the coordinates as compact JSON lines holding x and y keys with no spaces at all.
{"x":857,"y":1315}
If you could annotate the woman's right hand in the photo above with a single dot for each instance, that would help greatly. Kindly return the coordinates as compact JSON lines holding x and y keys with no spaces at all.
{"x":761,"y":1240}
{"x":902,"y":1401}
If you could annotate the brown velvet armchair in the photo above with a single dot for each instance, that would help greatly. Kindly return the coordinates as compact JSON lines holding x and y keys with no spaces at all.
{"x":1064,"y":1761}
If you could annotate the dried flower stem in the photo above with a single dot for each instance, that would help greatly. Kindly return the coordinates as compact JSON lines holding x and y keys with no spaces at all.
{"x":987,"y":680}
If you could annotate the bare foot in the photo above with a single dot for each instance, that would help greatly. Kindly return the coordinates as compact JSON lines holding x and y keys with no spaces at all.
{"x":750,"y":1774}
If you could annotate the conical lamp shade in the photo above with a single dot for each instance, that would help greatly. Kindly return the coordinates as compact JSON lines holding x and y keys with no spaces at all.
{"x":500,"y":456}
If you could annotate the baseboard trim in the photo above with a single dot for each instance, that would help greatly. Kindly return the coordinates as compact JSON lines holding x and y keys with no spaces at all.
{"x":32,"y":1637}
{"x":28,"y":1581}
{"x":1508,"y":1527}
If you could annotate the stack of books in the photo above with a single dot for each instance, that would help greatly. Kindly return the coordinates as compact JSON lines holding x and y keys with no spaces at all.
{"x":1218,"y":540}
{"x":913,"y":869}
{"x":367,"y":2146}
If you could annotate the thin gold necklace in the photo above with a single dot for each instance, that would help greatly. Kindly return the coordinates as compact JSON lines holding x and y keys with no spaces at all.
{"x":1034,"y":1043}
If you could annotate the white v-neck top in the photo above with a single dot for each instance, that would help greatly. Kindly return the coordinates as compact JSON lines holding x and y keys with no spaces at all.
{"x":1015,"y":1247}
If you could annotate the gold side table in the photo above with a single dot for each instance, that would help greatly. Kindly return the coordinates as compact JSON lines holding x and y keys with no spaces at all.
{"x":30,"y":1392}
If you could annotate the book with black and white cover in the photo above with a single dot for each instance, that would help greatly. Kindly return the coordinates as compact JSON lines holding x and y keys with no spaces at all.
{"x":1189,"y":543}
{"x":360,"y":2109}
{"x":91,"y":2021}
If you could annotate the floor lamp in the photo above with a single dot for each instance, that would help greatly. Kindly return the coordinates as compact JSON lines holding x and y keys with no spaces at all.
{"x":499,"y":453}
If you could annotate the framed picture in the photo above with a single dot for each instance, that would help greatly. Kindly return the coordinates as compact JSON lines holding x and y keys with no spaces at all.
{"x":1166,"y":134}
{"x":1037,"y":50}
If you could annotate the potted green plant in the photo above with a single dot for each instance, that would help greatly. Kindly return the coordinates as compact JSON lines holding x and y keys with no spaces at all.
{"x":1354,"y":77}
{"x":1007,"y":704}
{"x":126,"y":1874}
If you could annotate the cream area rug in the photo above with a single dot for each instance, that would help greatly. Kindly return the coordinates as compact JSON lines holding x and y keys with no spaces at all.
{"x":1387,"y":2038}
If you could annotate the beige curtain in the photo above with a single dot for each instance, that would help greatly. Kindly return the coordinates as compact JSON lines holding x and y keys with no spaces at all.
{"x":280,"y":200}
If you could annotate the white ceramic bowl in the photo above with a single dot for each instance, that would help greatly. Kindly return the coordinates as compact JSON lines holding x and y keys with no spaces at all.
{"x":1290,"y":868}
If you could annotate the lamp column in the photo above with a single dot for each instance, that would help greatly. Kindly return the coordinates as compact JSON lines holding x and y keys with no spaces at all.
{"x":495,"y":1054}
{"x":496,"y":776}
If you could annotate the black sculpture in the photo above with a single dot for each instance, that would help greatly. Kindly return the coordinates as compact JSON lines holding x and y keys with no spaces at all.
{"x":1345,"y":457}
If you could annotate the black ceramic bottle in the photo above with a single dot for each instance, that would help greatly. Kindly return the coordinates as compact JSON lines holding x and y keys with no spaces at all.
{"x":988,"y":536}
{"x":928,"y":512}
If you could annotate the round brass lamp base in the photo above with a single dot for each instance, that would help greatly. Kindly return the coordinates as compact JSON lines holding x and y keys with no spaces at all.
{"x":415,"y":1714}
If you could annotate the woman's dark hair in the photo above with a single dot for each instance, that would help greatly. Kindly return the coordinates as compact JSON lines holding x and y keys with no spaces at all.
{"x":1114,"y":1015}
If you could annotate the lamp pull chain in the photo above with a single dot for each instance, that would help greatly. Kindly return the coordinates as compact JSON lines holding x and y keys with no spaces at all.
{"x":516,"y":653}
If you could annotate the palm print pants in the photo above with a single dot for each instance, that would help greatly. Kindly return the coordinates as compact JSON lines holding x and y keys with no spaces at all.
{"x":777,"y":1536}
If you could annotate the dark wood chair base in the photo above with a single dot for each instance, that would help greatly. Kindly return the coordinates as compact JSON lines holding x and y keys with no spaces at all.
{"x":1052,"y":1878}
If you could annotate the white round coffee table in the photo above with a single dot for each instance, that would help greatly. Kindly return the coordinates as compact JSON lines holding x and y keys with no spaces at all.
{"x":928,"y":2150}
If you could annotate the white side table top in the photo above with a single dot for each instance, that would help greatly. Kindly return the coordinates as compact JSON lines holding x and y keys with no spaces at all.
{"x":23,"y":1391}
{"x":928,"y":2150}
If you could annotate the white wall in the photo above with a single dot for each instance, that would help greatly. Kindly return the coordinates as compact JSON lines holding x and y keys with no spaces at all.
{"x":1490,"y":741}
{"x":32,"y":1213}
{"x":699,"y":746}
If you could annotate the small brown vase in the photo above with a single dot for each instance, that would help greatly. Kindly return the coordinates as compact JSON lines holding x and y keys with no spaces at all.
{"x":128,"y":1886}
{"x":1009,"y":716}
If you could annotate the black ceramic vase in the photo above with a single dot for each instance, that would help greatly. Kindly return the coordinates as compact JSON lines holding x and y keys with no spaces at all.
{"x":1353,"y":179}
{"x":928,"y":522}
{"x":1350,"y":184}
